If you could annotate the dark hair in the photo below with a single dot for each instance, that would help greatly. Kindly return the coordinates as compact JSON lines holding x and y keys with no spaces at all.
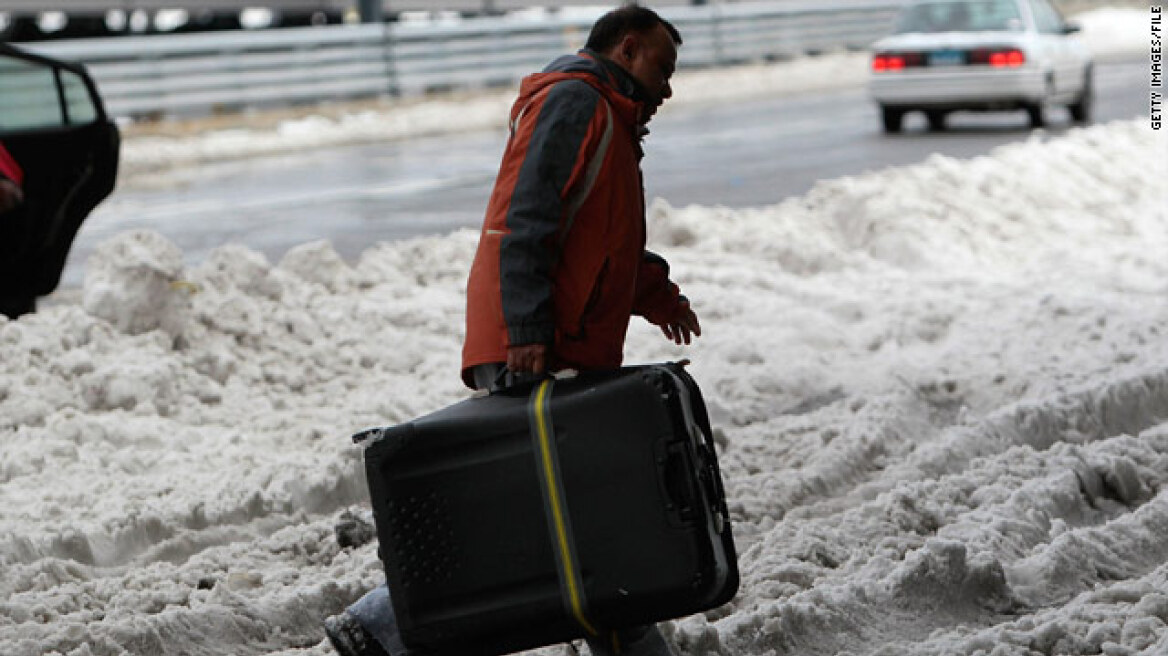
{"x":613,"y":26}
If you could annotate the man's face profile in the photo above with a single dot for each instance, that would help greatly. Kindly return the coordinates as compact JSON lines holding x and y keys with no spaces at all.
{"x":650,"y":57}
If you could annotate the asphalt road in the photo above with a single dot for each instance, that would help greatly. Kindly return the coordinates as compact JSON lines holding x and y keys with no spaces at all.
{"x":735,"y":155}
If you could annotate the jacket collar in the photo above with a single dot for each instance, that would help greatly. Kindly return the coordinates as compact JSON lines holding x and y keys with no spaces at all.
{"x":620,"y":79}
{"x":623,"y":91}
{"x":625,"y":84}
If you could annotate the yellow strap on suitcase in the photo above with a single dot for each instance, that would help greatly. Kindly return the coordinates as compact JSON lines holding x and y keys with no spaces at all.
{"x":559,"y":524}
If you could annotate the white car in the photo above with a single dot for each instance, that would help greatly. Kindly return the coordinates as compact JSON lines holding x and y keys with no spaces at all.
{"x":980,"y":55}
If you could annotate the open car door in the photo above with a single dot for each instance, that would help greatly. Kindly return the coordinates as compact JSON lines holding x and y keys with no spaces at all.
{"x":53,"y":123}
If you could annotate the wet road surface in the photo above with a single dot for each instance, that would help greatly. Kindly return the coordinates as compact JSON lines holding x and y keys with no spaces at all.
{"x":735,"y":155}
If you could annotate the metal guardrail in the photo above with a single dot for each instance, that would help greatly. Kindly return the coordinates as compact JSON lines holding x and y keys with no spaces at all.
{"x":190,"y":74}
{"x":82,"y":7}
{"x":98,"y":7}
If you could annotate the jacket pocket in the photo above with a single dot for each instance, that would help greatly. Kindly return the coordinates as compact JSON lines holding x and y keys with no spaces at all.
{"x":594,"y":298}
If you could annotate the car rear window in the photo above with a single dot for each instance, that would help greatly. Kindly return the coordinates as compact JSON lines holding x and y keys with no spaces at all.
{"x":973,"y":16}
{"x":34,"y":95}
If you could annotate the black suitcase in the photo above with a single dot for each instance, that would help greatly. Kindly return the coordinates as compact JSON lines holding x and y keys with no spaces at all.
{"x":551,"y":512}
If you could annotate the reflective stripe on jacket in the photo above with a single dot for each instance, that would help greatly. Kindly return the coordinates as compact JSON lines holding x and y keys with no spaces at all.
{"x":561,"y":257}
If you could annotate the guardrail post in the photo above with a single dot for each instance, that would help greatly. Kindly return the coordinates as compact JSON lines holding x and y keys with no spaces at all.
{"x":371,"y":11}
{"x":389,"y":58}
{"x":716,"y":29}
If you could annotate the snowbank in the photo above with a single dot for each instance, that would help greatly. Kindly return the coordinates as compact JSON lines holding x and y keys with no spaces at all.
{"x":941,"y":394}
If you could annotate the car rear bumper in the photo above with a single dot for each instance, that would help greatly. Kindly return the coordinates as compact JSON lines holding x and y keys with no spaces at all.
{"x":982,"y":88}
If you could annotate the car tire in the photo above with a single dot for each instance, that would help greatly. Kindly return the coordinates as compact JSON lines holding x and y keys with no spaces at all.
{"x":1081,"y":108}
{"x":1037,"y":115}
{"x":892,"y":119}
{"x":936,"y":120}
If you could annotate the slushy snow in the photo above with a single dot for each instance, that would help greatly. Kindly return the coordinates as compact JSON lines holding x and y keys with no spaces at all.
{"x":940,"y":395}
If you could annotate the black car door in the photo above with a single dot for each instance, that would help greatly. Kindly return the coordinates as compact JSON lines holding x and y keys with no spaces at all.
{"x":53,"y":123}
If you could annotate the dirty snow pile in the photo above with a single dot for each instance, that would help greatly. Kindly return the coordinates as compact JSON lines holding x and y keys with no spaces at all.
{"x":940,"y":393}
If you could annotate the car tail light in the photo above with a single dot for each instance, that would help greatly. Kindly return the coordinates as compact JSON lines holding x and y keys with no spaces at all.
{"x":882,"y":63}
{"x":1008,"y":58}
{"x":998,"y":57}
{"x":895,"y":61}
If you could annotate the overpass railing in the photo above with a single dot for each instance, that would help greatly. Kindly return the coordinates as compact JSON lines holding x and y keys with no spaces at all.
{"x":200,"y":73}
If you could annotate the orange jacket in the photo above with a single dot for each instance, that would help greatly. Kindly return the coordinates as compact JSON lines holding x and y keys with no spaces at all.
{"x":9,"y":168}
{"x":561,"y":258}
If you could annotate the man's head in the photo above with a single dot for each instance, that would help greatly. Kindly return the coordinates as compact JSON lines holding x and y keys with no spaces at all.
{"x":642,"y":43}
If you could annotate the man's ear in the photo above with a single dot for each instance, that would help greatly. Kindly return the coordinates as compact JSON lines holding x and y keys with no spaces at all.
{"x":628,"y":46}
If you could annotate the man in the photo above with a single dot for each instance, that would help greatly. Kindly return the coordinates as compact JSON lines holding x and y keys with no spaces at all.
{"x":561,"y":266}
{"x":11,"y":178}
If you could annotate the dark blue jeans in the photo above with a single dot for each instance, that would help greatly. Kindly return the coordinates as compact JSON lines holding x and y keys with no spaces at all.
{"x":375,"y":612}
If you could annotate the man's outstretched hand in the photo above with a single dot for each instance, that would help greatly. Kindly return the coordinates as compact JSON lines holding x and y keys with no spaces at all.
{"x":533,"y":358}
{"x":527,"y":358}
{"x":682,"y":326}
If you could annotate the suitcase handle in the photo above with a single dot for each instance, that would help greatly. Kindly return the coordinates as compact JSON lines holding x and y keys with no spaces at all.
{"x":708,"y":488}
{"x":505,"y":380}
{"x":674,"y":469}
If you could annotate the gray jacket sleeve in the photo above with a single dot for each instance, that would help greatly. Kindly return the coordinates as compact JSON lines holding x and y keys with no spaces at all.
{"x":528,"y":253}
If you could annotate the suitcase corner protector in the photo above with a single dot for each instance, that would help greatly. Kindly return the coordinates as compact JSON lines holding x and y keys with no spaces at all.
{"x":369,"y":436}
